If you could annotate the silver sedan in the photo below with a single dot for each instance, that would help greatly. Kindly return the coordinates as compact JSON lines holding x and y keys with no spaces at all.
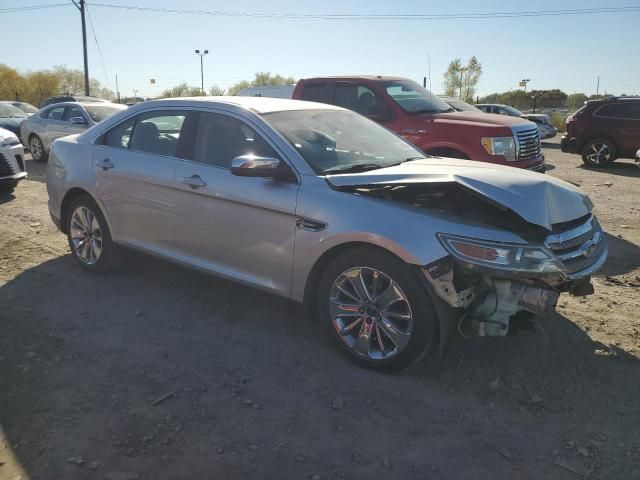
{"x":392,"y":251}
{"x":39,"y":130}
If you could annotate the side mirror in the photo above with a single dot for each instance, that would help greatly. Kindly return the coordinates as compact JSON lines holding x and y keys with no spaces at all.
{"x":264,"y":167}
{"x":78,"y":121}
{"x":379,"y":113}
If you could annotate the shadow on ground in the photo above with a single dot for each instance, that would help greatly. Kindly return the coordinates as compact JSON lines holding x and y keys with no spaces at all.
{"x":623,"y":167}
{"x":162,"y":372}
{"x":624,"y":256}
{"x":6,"y":197}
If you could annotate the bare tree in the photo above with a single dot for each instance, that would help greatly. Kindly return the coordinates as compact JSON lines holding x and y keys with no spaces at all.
{"x":462,"y":81}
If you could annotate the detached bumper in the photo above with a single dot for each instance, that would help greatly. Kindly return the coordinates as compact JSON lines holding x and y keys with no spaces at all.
{"x":568,"y":144}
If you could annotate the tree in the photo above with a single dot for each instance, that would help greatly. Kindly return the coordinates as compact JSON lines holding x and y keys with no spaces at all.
{"x":575,"y":100}
{"x":452,"y":78}
{"x":470,"y":79}
{"x":261,"y":79}
{"x":39,"y":85}
{"x":216,"y":91}
{"x":11,"y":83}
{"x":182,"y":90}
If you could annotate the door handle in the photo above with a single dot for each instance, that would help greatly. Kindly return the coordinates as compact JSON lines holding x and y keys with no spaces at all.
{"x":194,"y":181}
{"x":105,"y":164}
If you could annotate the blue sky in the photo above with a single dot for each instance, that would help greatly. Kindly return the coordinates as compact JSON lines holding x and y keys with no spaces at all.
{"x":566,"y":52}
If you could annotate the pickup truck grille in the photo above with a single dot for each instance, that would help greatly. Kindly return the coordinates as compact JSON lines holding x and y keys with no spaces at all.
{"x":580,"y":247}
{"x":528,"y":144}
{"x":5,"y":167}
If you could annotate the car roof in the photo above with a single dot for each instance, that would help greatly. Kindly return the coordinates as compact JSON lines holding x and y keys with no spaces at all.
{"x":82,"y":104}
{"x":357,"y":77}
{"x":259,"y":105}
{"x":491,"y":105}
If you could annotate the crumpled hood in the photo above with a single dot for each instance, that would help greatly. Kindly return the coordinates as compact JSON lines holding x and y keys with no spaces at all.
{"x":537,"y":198}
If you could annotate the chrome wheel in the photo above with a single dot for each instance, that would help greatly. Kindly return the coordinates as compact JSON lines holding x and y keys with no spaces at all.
{"x":370,"y":313}
{"x":598,"y":153}
{"x":86,"y":236}
{"x":36,"y":148}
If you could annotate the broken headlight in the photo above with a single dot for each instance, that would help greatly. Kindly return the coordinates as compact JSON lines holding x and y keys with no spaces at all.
{"x":505,"y":146}
{"x":501,"y":256}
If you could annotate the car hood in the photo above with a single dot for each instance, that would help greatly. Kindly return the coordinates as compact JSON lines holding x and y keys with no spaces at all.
{"x":11,"y":124}
{"x":481,"y":118}
{"x":537,"y":198}
{"x":537,"y":116}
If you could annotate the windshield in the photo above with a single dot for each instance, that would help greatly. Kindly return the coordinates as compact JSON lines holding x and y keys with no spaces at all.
{"x":9,"y":111}
{"x":512,"y":111}
{"x":331,"y":141}
{"x":100,"y":112}
{"x":413,"y":98}
{"x":461,"y":106}
{"x":25,"y":107}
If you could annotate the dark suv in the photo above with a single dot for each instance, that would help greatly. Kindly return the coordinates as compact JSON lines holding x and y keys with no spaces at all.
{"x":603,"y":130}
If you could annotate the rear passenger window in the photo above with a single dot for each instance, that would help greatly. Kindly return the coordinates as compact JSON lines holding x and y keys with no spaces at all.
{"x":221,"y":138}
{"x":55,"y":113}
{"x":158,"y":132}
{"x":632,"y":111}
{"x":316,"y":92}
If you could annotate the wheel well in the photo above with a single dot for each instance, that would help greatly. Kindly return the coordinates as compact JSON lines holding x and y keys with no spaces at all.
{"x":68,"y":199}
{"x":316,"y":271}
{"x":447,"y":152}
{"x":596,"y":137}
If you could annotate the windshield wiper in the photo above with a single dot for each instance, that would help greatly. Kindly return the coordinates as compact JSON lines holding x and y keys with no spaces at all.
{"x":360,"y":167}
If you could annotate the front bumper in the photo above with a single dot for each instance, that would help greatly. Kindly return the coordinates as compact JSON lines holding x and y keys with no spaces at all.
{"x":12,"y":163}
{"x":568,"y":144}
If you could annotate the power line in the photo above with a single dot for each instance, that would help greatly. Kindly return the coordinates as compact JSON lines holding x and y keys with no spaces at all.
{"x":447,"y":16}
{"x":95,"y":37}
{"x":26,"y":8}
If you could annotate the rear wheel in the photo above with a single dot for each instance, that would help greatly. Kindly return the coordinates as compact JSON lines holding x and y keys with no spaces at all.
{"x":598,"y":152}
{"x":376,"y":309}
{"x":89,"y":237}
{"x":37,"y":149}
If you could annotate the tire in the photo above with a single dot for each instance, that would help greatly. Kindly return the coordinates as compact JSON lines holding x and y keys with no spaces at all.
{"x":373,"y":335}
{"x":98,"y":252}
{"x":36,"y":147}
{"x":8,"y":187}
{"x":598,"y":152}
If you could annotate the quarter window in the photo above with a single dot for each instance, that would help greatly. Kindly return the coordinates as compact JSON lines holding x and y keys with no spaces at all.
{"x":221,"y":138}
{"x":120,"y":135}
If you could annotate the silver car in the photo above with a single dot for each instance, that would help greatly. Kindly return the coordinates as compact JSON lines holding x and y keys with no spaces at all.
{"x":392,"y":251}
{"x":39,"y":130}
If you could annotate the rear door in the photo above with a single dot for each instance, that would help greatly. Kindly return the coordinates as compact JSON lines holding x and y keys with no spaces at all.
{"x":55,"y":126}
{"x":621,"y":122}
{"x":239,"y":227}
{"x":134,"y":168}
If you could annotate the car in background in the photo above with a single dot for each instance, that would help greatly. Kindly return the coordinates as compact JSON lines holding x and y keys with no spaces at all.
{"x":59,"y":120}
{"x":424,"y":119}
{"x":318,"y":204}
{"x":603,"y":130}
{"x":459,"y":105}
{"x":11,"y":160}
{"x":72,"y":98}
{"x":24,"y":106}
{"x":11,"y":117}
{"x":541,"y":120}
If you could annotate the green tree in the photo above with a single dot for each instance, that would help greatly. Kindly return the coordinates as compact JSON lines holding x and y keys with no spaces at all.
{"x":470,"y":79}
{"x":181,"y":90}
{"x":261,"y":79}
{"x":216,"y":91}
{"x":575,"y":100}
{"x":452,"y":78}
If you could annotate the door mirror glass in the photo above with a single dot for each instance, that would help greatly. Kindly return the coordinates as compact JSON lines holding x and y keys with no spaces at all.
{"x":254,"y":166}
{"x":78,"y":121}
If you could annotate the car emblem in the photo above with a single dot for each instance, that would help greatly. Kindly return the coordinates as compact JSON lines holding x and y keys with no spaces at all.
{"x":588,"y":248}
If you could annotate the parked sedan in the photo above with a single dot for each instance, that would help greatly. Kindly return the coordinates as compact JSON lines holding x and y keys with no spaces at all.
{"x":541,"y":120}
{"x":27,"y":108}
{"x":11,"y":117}
{"x":11,"y":161}
{"x":58,"y":120}
{"x":316,"y":203}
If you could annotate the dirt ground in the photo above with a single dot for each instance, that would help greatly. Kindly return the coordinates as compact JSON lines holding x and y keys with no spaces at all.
{"x":158,"y":372}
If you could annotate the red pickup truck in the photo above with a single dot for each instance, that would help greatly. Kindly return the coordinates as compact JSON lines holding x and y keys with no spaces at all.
{"x":425,"y":120}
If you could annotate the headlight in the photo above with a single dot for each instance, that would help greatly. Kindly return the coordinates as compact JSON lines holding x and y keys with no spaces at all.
{"x":9,"y":140}
{"x":500,"y":146}
{"x":501,"y":256}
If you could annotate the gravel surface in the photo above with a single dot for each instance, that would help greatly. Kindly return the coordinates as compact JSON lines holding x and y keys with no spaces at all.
{"x":159,"y":372}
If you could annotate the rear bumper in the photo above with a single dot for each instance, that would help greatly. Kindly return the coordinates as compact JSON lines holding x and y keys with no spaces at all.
{"x":568,"y":144}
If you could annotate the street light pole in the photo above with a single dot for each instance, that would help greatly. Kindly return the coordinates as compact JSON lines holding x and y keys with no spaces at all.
{"x":524,"y":82}
{"x":462,"y":70}
{"x":204,"y":52}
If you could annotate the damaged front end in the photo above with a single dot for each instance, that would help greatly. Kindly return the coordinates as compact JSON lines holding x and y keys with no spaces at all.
{"x":490,"y":282}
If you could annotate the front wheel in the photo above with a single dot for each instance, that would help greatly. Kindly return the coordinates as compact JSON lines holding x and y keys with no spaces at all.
{"x":377,"y":309}
{"x":598,"y":153}
{"x":37,"y":150}
{"x":89,"y":237}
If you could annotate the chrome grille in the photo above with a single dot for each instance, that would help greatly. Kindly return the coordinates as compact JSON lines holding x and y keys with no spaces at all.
{"x":5,"y":168}
{"x":580,"y":247}
{"x":528,"y":144}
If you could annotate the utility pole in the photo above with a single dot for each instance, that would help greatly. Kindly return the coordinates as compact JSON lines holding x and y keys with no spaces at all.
{"x":204,"y":52}
{"x":462,"y":70}
{"x":81,"y":7}
{"x":135,"y":96}
{"x":598,"y":87}
{"x":117,"y":88}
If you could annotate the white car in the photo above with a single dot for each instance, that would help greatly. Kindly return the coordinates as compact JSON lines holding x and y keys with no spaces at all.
{"x":11,"y":161}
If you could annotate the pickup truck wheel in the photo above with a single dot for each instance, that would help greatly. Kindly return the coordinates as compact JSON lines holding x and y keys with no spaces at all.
{"x":37,"y":149}
{"x":89,"y":237}
{"x":598,"y":152}
{"x":376,"y":309}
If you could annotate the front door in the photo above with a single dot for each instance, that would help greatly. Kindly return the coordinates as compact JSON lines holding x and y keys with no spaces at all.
{"x":242,"y":228}
{"x":134,"y":176}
